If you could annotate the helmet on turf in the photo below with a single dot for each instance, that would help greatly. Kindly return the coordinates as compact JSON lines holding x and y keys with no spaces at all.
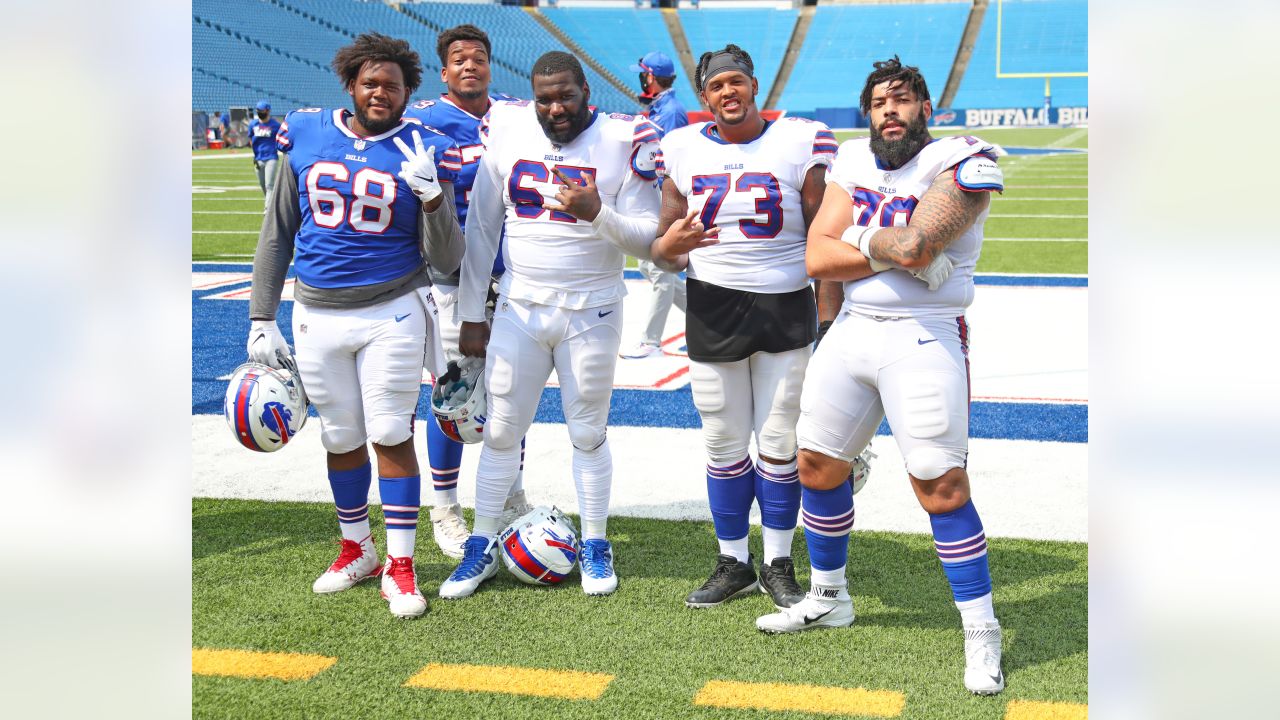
{"x":458,"y":400}
{"x":265,"y":407}
{"x":540,"y":547}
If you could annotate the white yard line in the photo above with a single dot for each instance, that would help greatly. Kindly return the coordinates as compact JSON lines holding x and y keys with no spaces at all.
{"x":1008,"y":239}
{"x":259,"y":212}
{"x":227,"y":156}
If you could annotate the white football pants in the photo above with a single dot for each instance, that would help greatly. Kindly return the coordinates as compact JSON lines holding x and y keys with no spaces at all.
{"x":758,"y":394}
{"x":915,"y":371}
{"x":528,"y":340}
{"x":668,"y":288}
{"x":362,"y":369}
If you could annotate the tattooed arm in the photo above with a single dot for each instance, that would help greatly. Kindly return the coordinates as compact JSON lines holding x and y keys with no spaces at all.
{"x":679,"y":231}
{"x":943,"y":214}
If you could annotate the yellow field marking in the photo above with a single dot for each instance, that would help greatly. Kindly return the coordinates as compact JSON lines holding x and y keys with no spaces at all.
{"x":804,"y":698}
{"x":567,"y":684}
{"x":250,"y":664}
{"x":1031,"y":710}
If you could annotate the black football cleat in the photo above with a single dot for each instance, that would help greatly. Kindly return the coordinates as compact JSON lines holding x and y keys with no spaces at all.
{"x":729,"y":579}
{"x":778,"y":579}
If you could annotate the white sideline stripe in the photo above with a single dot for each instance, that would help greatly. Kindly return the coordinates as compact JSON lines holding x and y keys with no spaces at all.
{"x":987,"y":240}
{"x":993,"y":215}
{"x":218,"y":187}
{"x":228,"y":156}
{"x":1070,"y":137}
{"x":1029,"y":489}
{"x":998,"y":198}
{"x":259,"y":213}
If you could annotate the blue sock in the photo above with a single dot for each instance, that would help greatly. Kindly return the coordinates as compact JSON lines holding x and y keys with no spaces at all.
{"x":962,"y":548}
{"x":828,"y":520}
{"x":730,"y":490}
{"x":778,"y":492}
{"x":445,"y":456}
{"x":351,"y":497}
{"x":400,"y":498}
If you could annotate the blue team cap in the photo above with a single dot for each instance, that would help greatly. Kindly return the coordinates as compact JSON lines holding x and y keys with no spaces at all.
{"x":657,"y":63}
{"x":262,"y":105}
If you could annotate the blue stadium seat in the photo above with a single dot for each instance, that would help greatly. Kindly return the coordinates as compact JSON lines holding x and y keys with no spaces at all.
{"x":618,"y":37}
{"x":1038,"y":36}
{"x":844,"y":41}
{"x":763,"y":33}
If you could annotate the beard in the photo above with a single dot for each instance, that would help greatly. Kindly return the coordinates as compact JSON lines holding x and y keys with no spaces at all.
{"x":377,"y":127}
{"x":577,"y":124}
{"x":896,"y":153}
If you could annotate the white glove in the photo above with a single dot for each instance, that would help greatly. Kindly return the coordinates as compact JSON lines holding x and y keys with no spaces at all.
{"x":266,"y":344}
{"x":419,"y":168}
{"x":860,"y":237}
{"x":937,"y":272}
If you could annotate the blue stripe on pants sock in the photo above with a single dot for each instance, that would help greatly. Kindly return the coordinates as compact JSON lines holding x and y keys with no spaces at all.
{"x":828,"y":520}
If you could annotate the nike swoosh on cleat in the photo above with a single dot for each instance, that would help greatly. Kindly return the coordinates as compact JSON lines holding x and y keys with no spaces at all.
{"x":401,"y":317}
{"x":926,"y":342}
{"x":809,"y":620}
{"x":602,"y":314}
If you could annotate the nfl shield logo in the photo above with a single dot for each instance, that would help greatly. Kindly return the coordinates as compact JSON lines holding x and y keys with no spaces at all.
{"x":360,"y":144}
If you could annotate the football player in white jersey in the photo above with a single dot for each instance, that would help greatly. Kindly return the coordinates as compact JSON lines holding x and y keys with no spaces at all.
{"x":464,"y":53}
{"x":577,"y":188}
{"x":751,"y":318}
{"x":901,"y":224}
{"x":363,"y":204}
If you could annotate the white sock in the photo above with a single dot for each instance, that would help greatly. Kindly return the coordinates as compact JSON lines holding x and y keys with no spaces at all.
{"x":777,"y":543}
{"x":976,"y":611}
{"x":400,"y":541}
{"x":736,"y":548}
{"x":828,"y":578}
{"x":487,"y":527}
{"x":357,"y":531}
{"x":593,"y":477}
{"x":445,"y":498}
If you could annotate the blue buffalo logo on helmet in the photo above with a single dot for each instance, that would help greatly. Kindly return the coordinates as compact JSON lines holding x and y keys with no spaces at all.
{"x":541,"y":547}
{"x":265,"y":407}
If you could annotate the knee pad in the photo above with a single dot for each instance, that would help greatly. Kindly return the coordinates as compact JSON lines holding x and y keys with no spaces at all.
{"x":585,"y":437}
{"x":389,"y":430}
{"x":339,"y":440}
{"x":929,"y":463}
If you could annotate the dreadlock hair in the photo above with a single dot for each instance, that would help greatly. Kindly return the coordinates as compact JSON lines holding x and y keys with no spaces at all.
{"x":462,"y":32}
{"x":893,"y":71}
{"x":738,"y":54}
{"x":374,"y":46}
{"x":555,"y":62}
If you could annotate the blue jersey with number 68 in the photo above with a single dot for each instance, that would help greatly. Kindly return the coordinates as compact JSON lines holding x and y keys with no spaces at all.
{"x":359,"y":219}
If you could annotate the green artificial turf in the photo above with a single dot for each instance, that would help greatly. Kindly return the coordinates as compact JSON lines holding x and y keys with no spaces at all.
{"x":253,"y":563}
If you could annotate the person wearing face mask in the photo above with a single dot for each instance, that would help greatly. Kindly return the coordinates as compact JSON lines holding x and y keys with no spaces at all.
{"x":657,"y":77}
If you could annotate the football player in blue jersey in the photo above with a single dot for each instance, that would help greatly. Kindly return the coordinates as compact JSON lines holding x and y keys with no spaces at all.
{"x":363,"y":208}
{"x":262,"y":136}
{"x":464,"y":57}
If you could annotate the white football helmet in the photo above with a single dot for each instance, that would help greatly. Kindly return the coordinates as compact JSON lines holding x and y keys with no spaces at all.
{"x":540,"y":547}
{"x":458,"y":400}
{"x":265,"y":407}
{"x":860,"y":469}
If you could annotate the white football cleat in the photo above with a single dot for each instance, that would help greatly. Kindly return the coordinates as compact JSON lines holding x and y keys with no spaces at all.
{"x":357,"y":561}
{"x":515,"y":508}
{"x":821,"y":607}
{"x":400,"y":588}
{"x":596,"y":567}
{"x":982,"y":673}
{"x":479,"y":563}
{"x":449,"y":529}
{"x":639,"y":351}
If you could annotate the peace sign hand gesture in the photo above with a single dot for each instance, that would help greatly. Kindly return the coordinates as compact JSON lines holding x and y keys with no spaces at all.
{"x":580,"y":200}
{"x":419,"y":168}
